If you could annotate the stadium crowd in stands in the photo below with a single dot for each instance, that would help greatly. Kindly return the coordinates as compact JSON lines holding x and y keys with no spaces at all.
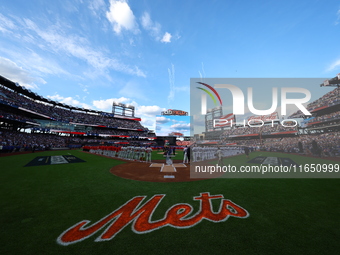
{"x":98,"y":128}
{"x":16,"y":117}
{"x":326,"y":118}
{"x":66,"y":115}
{"x":268,"y":128}
{"x":331,"y":98}
{"x":12,"y":141}
{"x":327,"y":143}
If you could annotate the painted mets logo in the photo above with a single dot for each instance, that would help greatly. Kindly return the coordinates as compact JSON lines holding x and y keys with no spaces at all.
{"x":178,"y":216}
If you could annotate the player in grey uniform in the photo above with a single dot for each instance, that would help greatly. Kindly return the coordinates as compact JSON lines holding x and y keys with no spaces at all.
{"x":142,"y":154}
{"x":185,"y":158}
{"x":219,"y":157}
{"x":148,"y":154}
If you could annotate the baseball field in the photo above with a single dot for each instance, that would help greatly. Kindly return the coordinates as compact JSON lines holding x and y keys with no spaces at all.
{"x":80,"y":207}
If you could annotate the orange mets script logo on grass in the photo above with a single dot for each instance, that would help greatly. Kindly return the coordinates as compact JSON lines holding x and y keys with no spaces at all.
{"x":177,"y":216}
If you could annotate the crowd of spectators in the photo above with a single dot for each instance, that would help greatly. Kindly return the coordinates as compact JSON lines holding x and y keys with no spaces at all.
{"x":277,"y":128}
{"x":328,"y":144}
{"x":258,"y":130}
{"x":11,"y":141}
{"x":335,"y":116}
{"x":329,"y":99}
{"x":15,"y":117}
{"x":255,"y":143}
{"x":246,"y":130}
{"x":66,"y":115}
{"x":14,"y":99}
{"x":63,"y":119}
{"x":18,"y":141}
{"x":118,"y":132}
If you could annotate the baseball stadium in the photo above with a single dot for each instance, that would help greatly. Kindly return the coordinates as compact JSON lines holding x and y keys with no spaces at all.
{"x":98,"y":156}
{"x":96,"y":183}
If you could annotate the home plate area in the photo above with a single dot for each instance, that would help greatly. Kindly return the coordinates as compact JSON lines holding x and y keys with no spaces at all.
{"x":168,"y":168}
{"x":156,"y":171}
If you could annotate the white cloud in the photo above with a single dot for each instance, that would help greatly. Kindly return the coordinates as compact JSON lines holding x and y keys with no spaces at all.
{"x":13,"y":72}
{"x":154,"y":29}
{"x":146,"y":112}
{"x":106,"y":104}
{"x":56,"y":39}
{"x":165,"y":130}
{"x":132,"y":42}
{"x":173,"y":88}
{"x":96,"y":5}
{"x":338,"y":17}
{"x":335,"y":65}
{"x":146,"y":21}
{"x":182,"y":89}
{"x":140,"y":110}
{"x":148,"y":123}
{"x":166,"y":38}
{"x":148,"y":115}
{"x":162,"y":120}
{"x":79,"y":47}
{"x":171,"y":73}
{"x":121,"y":16}
{"x":181,"y":126}
{"x":6,"y":25}
{"x":149,"y":110}
{"x":69,"y":101}
{"x":42,"y":65}
{"x":103,"y":105}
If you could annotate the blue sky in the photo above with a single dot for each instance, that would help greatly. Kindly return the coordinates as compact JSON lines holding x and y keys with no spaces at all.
{"x":91,"y":53}
{"x":166,"y":124}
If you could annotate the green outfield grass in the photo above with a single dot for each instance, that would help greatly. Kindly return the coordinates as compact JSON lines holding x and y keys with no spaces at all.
{"x":287,"y":216}
{"x":158,"y":154}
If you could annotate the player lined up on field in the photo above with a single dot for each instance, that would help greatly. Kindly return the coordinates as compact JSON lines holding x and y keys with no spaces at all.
{"x":135,"y":153}
{"x":201,"y":153}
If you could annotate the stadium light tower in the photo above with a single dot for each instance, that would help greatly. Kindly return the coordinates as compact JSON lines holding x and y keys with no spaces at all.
{"x":123,"y":110}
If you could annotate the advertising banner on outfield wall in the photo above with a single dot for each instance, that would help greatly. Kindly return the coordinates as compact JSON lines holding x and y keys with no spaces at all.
{"x":264,"y":128}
